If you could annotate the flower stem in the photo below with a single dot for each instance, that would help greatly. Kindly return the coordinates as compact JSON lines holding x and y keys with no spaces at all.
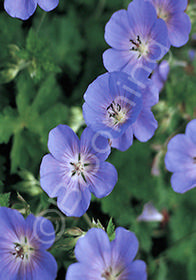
{"x":163,"y":255}
{"x":41,"y":21}
{"x":88,"y":220}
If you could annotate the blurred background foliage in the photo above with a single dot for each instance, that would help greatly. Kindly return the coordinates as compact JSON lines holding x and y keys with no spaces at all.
{"x":46,"y":64}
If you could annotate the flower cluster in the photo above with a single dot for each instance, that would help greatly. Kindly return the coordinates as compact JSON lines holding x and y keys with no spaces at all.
{"x":117,"y":108}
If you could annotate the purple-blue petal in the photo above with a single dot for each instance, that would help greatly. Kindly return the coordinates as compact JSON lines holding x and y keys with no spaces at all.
{"x":150,"y":94}
{"x":22,"y":9}
{"x":118,"y":31}
{"x":145,"y":125}
{"x":74,"y":200}
{"x":183,"y":181}
{"x":94,"y":249}
{"x":142,"y":16}
{"x":180,"y":153}
{"x":82,"y":271}
{"x":124,"y":247}
{"x":179,"y":27}
{"x":63,"y":143}
{"x":159,"y":45}
{"x":116,"y":60}
{"x":8,"y":267}
{"x":40,"y":232}
{"x":94,"y":143}
{"x":103,"y":181}
{"x":43,"y":266}
{"x":53,"y":175}
{"x":171,"y":6}
{"x":191,"y":131}
{"x":48,"y":5}
{"x":135,"y":271}
{"x":123,"y":142}
{"x":176,"y":5}
{"x":176,"y":160}
{"x":12,"y":224}
{"x":160,"y":74}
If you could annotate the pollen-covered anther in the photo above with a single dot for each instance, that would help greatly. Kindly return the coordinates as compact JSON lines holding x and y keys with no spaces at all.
{"x":139,"y":46}
{"x":78,"y":168}
{"x":22,"y":251}
{"x":116,"y":112}
{"x":108,"y":275}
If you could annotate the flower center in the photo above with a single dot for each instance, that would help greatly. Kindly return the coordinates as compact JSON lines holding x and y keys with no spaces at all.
{"x":161,"y":13}
{"x":139,"y":46}
{"x":110,"y":275}
{"x":79,"y":168}
{"x":22,"y":251}
{"x":117,"y":113}
{"x":194,"y":159}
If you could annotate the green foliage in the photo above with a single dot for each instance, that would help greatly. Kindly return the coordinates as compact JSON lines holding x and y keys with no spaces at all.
{"x":31,"y":121}
{"x":110,"y":230}
{"x":5,"y":199}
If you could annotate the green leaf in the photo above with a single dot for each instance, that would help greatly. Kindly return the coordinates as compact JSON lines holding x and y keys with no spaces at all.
{"x":9,"y":123}
{"x":5,"y":199}
{"x":111,"y":230}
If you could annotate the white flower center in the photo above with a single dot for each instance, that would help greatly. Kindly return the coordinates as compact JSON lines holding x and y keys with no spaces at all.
{"x":162,"y":13}
{"x":109,"y":274}
{"x":22,"y":250}
{"x":117,"y":113}
{"x":79,"y":167}
{"x":141,"y":47}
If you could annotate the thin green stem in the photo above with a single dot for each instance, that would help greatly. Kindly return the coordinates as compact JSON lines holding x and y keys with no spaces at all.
{"x":163,"y":255}
{"x":88,"y":220}
{"x":41,"y":21}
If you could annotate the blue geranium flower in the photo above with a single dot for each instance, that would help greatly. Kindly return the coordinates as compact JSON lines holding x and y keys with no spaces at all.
{"x":117,"y":108}
{"x":181,"y":159}
{"x":98,"y":258}
{"x":76,"y":168}
{"x":23,"y":9}
{"x":112,"y":103}
{"x":178,"y":23}
{"x":138,"y":40}
{"x":23,"y":245}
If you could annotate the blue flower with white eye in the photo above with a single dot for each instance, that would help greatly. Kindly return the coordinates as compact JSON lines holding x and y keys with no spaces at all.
{"x":98,"y":258}
{"x":118,"y":109}
{"x":138,"y":39}
{"x":76,"y":168}
{"x":181,"y":159}
{"x":23,"y":9}
{"x":112,"y":103}
{"x":23,"y":245}
{"x":177,"y":21}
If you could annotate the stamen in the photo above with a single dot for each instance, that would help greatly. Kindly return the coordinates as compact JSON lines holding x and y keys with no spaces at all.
{"x":115,"y":109}
{"x":78,"y":168}
{"x":140,"y":47}
{"x":116,"y":112}
{"x":22,"y":250}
